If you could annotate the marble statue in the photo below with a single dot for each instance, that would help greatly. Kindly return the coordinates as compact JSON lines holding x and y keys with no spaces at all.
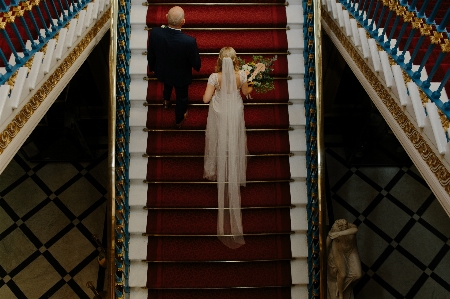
{"x":344,"y":266}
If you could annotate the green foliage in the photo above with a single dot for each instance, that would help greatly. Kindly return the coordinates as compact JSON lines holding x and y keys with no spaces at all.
{"x":263,"y":81}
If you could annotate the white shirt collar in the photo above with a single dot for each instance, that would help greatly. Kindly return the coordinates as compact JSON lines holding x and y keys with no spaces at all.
{"x":174,"y":28}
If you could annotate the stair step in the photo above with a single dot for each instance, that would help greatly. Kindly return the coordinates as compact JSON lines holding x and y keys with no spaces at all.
{"x":177,"y":142}
{"x":204,"y":222}
{"x":269,"y":194}
{"x":262,"y":40}
{"x":138,"y":65}
{"x":219,"y":276}
{"x":211,"y":16}
{"x":179,"y":169}
{"x":264,"y":116}
{"x":197,"y":89}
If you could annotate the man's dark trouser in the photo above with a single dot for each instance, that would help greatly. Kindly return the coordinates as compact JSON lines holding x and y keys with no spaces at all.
{"x":181,"y":93}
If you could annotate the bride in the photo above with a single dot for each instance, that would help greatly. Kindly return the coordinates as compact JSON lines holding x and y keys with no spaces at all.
{"x":226,"y":143}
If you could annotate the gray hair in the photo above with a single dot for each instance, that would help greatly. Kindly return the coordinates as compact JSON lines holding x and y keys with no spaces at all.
{"x":175,"y":16}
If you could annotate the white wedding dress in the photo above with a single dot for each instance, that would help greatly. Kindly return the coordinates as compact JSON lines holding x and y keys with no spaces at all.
{"x":225,"y":152}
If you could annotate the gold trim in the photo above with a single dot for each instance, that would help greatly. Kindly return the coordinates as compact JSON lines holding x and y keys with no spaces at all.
{"x":111,"y":219}
{"x":261,"y":53}
{"x":431,"y":159}
{"x":241,"y":208}
{"x":320,"y":150}
{"x":224,"y":288}
{"x":206,"y":79}
{"x":202,"y":156}
{"x":202,"y":130}
{"x":216,"y":4}
{"x":147,"y":104}
{"x":220,"y":261}
{"x":229,"y":29}
{"x":255,"y":234}
{"x":211,"y":182}
{"x":41,"y":94}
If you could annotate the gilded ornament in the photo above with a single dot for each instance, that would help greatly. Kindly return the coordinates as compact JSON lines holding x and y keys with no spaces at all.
{"x":431,"y":159}
{"x":9,"y":17}
{"x":2,"y":23}
{"x":436,"y":38}
{"x":391,"y":60}
{"x":444,"y":120}
{"x":393,"y":5}
{"x":406,"y":77}
{"x":400,"y":10}
{"x":18,"y":11}
{"x":425,"y":30}
{"x":423,"y":97}
{"x":417,"y":24}
{"x":12,"y":80}
{"x":408,"y":16}
{"x":26,"y":5}
{"x":445,"y":47}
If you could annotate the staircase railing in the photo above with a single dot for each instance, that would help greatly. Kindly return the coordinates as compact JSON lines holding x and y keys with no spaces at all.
{"x":27,"y":26}
{"x":395,"y":24}
{"x":120,"y":84}
{"x":314,"y":149}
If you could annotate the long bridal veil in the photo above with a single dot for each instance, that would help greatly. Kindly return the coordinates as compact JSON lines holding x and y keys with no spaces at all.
{"x":225,"y":155}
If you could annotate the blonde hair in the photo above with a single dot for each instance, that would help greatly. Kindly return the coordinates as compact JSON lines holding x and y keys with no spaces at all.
{"x":227,"y":52}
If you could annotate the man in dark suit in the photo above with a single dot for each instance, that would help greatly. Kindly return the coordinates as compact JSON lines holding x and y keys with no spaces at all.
{"x":172,"y":55}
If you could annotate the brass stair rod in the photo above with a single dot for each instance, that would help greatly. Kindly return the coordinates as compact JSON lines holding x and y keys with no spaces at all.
{"x":206,"y":79}
{"x":213,"y":182}
{"x":218,"y":3}
{"x":226,"y":288}
{"x":214,"y":235}
{"x":146,"y":104}
{"x":223,"y":261}
{"x":202,"y":156}
{"x":230,"y":29}
{"x":200,"y":208}
{"x":203,"y":130}
{"x":261,"y":53}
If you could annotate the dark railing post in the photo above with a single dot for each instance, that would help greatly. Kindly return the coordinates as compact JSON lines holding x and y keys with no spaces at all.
{"x":11,"y":46}
{"x":437,"y":6}
{"x":441,"y":27}
{"x":437,"y":94}
{"x":366,"y":20}
{"x":421,"y":13}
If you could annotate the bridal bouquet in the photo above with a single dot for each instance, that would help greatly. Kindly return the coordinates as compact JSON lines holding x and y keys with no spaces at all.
{"x":258,"y":72}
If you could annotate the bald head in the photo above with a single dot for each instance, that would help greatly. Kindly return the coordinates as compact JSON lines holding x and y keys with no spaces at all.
{"x":175,"y":17}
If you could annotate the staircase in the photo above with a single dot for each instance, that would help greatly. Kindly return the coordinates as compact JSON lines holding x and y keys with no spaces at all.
{"x":173,"y":250}
{"x":399,"y":53}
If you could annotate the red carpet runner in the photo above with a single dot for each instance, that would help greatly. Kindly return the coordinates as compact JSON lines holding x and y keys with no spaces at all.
{"x":185,"y":259}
